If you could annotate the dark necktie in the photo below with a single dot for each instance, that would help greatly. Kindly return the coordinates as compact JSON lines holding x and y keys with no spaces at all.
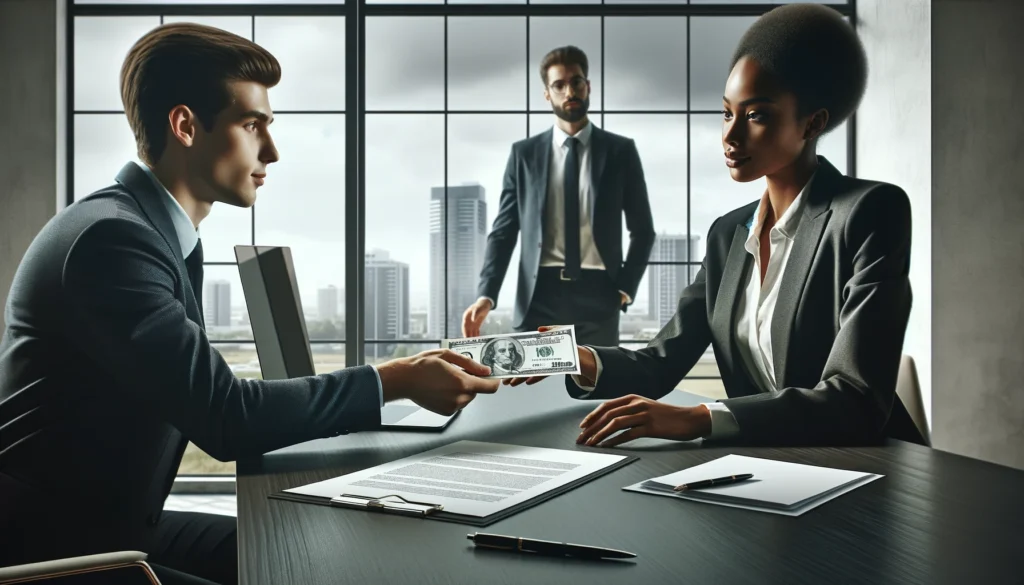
{"x":572,"y":209}
{"x":194,"y":264}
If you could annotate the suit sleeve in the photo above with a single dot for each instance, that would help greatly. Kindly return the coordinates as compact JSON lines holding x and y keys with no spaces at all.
{"x":639,"y":222}
{"x":501,"y":242}
{"x":655,"y":370}
{"x":853,"y":401}
{"x":119,"y":281}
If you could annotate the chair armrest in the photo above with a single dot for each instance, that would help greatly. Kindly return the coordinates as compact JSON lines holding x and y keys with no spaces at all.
{"x":78,"y":565}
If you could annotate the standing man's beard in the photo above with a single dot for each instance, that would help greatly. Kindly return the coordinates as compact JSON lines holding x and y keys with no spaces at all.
{"x":574,"y":115}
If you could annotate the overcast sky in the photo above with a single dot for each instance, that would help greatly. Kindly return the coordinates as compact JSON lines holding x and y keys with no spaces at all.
{"x":302,"y":204}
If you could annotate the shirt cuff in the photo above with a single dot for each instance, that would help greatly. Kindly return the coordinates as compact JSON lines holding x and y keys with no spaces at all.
{"x":493,"y":304}
{"x":380,"y":386}
{"x":597,"y":359}
{"x":723,"y":422}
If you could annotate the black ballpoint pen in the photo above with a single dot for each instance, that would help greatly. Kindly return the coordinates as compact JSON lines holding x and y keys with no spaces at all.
{"x":695,"y":485}
{"x":546,"y":547}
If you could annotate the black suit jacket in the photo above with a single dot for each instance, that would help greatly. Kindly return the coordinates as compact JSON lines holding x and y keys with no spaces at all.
{"x":106,"y":373}
{"x":617,"y":179}
{"x":837,"y":331}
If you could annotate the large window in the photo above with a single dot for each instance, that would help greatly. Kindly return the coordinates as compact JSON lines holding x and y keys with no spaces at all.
{"x":440,"y":91}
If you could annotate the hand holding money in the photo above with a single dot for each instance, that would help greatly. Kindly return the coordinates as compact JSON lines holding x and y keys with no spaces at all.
{"x":531,"y":354}
{"x":588,"y":367}
{"x":439,"y":380}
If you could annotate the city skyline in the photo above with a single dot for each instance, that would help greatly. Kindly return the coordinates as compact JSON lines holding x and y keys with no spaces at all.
{"x":217,"y":303}
{"x":386,"y":302}
{"x":457,"y":243}
{"x":639,"y":66}
{"x":666,"y":282}
{"x":327,"y":303}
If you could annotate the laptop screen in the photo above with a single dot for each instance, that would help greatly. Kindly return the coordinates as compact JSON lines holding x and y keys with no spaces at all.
{"x":275,"y":311}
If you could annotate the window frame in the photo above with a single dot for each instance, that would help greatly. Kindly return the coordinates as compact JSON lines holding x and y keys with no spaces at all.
{"x":355,"y":13}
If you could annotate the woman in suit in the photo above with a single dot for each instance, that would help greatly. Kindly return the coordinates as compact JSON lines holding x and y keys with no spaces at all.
{"x":804,"y":295}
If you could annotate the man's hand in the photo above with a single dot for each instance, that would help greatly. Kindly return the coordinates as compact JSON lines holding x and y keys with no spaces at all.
{"x":624,"y":298}
{"x":474,"y":317}
{"x":439,"y":380}
{"x":588,"y":366}
{"x":643,"y":417}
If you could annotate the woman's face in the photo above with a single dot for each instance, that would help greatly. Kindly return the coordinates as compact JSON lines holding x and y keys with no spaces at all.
{"x":761,"y":131}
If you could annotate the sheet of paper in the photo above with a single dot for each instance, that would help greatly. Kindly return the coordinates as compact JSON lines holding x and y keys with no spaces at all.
{"x":777,"y":486}
{"x":468,"y":477}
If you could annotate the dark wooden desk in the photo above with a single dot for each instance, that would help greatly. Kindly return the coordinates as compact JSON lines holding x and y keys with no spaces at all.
{"x":934,"y":518}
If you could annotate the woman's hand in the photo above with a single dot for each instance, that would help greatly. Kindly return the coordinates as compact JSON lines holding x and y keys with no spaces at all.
{"x":588,"y":366}
{"x":643,"y":417}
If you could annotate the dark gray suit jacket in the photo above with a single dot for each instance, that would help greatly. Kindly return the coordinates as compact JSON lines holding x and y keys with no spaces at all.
{"x":617,"y":178}
{"x":106,"y":372}
{"x":837,"y":331}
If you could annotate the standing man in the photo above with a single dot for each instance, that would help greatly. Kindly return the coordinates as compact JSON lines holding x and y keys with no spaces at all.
{"x":565,"y":190}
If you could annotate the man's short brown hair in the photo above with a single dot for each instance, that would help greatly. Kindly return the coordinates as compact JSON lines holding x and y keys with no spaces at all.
{"x":186,"y":64}
{"x":565,"y":56}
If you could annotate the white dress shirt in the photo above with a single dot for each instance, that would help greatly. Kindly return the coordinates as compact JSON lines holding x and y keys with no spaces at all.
{"x":553,"y":244}
{"x":754,"y":322}
{"x":188,"y":237}
{"x":757,"y":303}
{"x":187,"y":234}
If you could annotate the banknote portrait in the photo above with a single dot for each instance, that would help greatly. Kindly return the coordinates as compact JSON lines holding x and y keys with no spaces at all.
{"x":504,"y":355}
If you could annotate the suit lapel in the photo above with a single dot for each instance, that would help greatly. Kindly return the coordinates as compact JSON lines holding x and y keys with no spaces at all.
{"x":539,"y":163}
{"x":798,"y":268}
{"x":599,"y":156}
{"x":736,"y":266}
{"x":145,"y":193}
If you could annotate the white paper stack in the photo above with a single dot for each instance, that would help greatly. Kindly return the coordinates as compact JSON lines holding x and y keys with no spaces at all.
{"x":779,"y":487}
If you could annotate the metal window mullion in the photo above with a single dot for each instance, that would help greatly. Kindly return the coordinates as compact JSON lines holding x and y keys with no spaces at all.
{"x":355,"y":181}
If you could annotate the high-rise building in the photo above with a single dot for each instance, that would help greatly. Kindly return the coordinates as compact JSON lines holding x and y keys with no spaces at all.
{"x":387,"y":302}
{"x":465,"y":225}
{"x":217,"y":303}
{"x":327,"y":303}
{"x":666,"y":282}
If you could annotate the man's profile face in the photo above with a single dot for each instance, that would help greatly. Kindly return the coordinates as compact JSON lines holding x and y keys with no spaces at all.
{"x":503,"y":353}
{"x":231,"y":159}
{"x":568,"y":90}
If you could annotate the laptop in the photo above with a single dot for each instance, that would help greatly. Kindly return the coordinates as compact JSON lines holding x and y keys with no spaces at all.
{"x":272,"y":297}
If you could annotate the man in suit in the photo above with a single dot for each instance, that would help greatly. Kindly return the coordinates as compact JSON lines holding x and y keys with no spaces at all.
{"x":565,"y":192}
{"x":106,"y":371}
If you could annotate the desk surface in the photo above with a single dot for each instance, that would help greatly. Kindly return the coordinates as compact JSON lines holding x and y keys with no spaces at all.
{"x":934,"y":518}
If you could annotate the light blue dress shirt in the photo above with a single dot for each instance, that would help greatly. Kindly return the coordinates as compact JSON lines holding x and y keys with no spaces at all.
{"x":188,"y":237}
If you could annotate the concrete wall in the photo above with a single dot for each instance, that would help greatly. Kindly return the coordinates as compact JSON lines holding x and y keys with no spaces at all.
{"x":978,"y":228}
{"x":31,"y":125}
{"x":894,"y":142}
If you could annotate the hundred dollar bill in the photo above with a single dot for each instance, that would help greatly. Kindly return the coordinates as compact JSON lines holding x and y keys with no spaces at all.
{"x":532,"y":353}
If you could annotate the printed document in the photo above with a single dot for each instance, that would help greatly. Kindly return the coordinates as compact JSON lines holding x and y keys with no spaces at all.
{"x":467,"y":477}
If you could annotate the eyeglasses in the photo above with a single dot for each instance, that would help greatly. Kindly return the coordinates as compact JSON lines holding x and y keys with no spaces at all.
{"x":559,"y":86}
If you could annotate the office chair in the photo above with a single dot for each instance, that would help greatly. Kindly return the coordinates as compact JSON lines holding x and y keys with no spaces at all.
{"x":908,"y":389}
{"x":116,"y":568}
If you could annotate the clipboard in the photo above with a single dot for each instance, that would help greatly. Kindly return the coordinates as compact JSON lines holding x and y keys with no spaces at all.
{"x":394,"y":504}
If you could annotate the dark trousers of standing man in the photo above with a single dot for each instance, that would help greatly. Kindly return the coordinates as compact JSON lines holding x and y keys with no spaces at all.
{"x":590,"y":302}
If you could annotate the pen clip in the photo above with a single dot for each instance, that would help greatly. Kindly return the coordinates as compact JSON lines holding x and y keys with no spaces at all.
{"x":379,"y":503}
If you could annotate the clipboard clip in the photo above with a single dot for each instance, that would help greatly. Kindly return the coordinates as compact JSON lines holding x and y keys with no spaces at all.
{"x":381,"y":504}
